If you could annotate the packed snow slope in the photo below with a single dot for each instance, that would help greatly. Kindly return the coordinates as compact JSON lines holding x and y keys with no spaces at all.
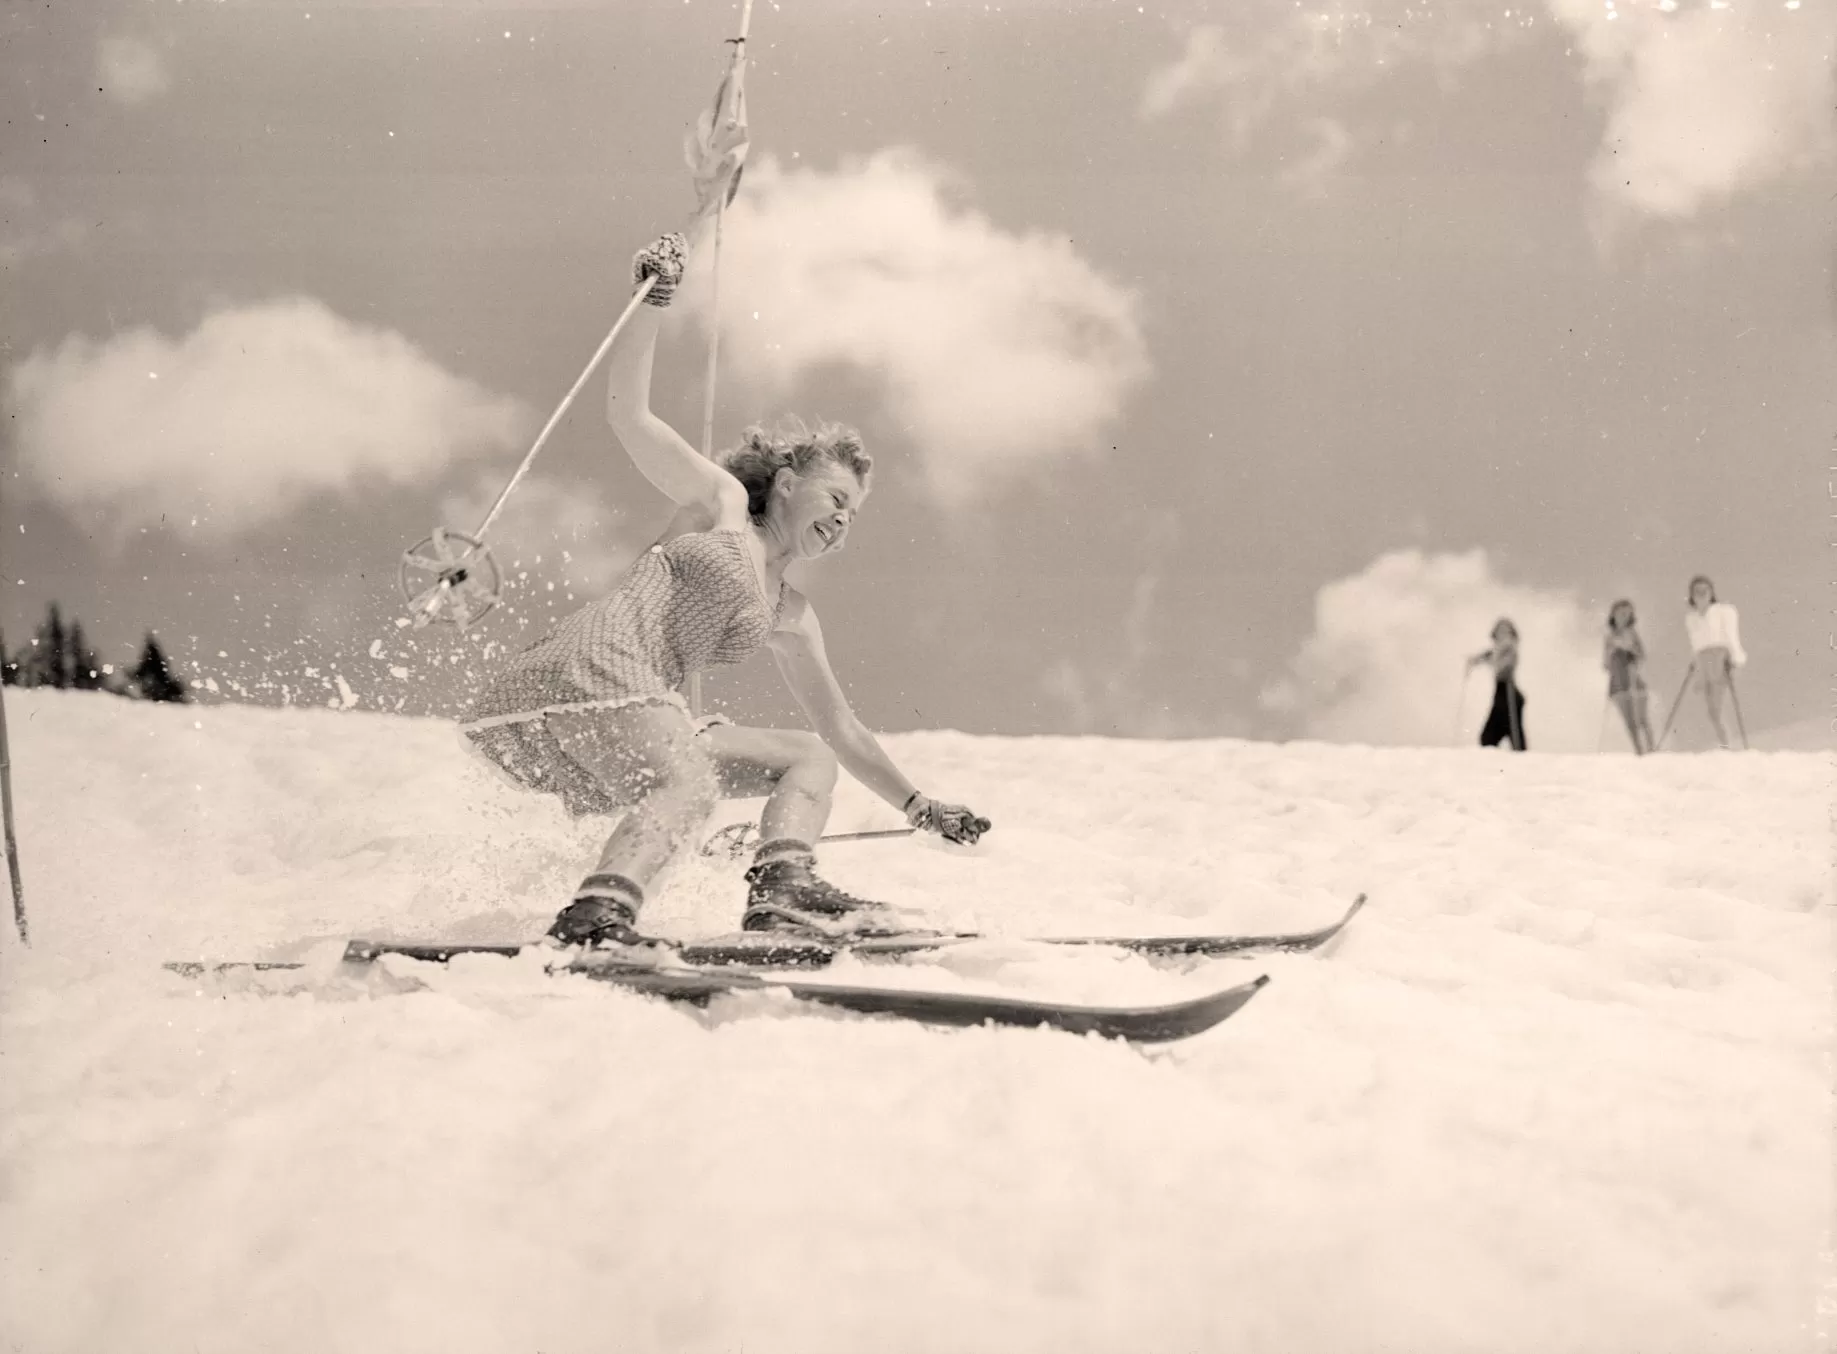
{"x":1562,"y":1087}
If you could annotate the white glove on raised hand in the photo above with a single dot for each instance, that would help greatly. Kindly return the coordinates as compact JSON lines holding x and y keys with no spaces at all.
{"x":664,"y":259}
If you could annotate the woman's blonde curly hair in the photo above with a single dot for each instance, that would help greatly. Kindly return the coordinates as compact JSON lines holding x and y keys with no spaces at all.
{"x":763,"y":452}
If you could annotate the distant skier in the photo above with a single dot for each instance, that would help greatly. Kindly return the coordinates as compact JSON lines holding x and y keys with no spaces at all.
{"x":591,"y":712}
{"x":1505,"y":721}
{"x":1623,"y":654}
{"x":1715,"y":641}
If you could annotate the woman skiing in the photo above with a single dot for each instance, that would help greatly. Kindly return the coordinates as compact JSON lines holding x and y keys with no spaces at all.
{"x":591,"y":711}
{"x":1715,"y":641}
{"x":1505,"y":721}
{"x":1624,"y":657}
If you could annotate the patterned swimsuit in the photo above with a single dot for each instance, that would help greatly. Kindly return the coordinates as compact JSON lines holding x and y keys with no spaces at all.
{"x":685,"y":605}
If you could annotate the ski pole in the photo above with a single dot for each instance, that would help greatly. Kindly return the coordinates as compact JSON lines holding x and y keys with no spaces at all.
{"x":1682,"y":688}
{"x":1601,"y":728}
{"x":567,"y":400}
{"x":12,"y":847}
{"x":867,"y":836}
{"x":735,"y":838}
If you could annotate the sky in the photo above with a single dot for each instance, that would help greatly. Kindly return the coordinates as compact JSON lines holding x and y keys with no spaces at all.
{"x":1228,"y":369}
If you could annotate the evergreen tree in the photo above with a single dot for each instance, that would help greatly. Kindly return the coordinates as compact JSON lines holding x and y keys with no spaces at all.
{"x":42,"y":662}
{"x":153,"y":677}
{"x":54,"y":653}
{"x":81,"y":661}
{"x":22,"y":667}
{"x":60,"y":655}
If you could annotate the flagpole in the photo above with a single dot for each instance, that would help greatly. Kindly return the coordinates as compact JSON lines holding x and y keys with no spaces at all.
{"x":736,"y":74}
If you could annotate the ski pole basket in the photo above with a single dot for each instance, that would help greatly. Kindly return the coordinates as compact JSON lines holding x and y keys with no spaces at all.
{"x":449,"y":577}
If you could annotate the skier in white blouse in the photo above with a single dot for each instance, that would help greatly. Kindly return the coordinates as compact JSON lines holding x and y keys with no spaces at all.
{"x":1715,"y":641}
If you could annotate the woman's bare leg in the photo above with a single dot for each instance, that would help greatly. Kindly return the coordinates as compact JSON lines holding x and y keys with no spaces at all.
{"x":795,"y":771}
{"x":648,"y":756}
{"x":1642,"y":718}
{"x":797,"y":774}
{"x":1714,"y":684}
{"x":1623,"y":700}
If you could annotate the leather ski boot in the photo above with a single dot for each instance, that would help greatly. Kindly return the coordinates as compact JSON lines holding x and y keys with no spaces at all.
{"x":785,"y":895}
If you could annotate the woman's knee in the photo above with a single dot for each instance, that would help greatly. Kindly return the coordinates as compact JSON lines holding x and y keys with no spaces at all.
{"x":794,"y":753}
{"x":813,"y":756}
{"x":801,"y":763}
{"x":754,"y":762}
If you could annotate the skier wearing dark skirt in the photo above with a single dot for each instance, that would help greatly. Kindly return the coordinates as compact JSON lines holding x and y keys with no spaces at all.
{"x":1505,"y":721}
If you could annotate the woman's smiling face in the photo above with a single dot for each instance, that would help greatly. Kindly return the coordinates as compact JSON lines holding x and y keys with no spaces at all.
{"x":815,"y":509}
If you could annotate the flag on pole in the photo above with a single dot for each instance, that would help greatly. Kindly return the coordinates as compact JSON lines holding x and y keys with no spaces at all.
{"x":716,"y":147}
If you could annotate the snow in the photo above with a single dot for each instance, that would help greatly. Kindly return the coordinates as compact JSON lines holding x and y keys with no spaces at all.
{"x":1563,"y":1086}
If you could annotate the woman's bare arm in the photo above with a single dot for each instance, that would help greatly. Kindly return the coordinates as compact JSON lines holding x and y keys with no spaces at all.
{"x":662,"y":455}
{"x":798,"y":646}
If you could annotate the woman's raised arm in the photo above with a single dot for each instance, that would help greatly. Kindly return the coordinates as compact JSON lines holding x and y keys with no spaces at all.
{"x":681,"y":473}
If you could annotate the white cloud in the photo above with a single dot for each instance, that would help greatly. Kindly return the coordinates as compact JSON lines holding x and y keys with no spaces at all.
{"x":26,"y":228}
{"x":1111,"y":705}
{"x":130,"y":71}
{"x":1332,"y":146}
{"x":21,"y":234}
{"x":1271,"y":53}
{"x":243,"y":419}
{"x":1111,"y":696}
{"x":1108,"y":697}
{"x":1703,"y":101}
{"x":1385,"y":662}
{"x":1204,"y":67}
{"x":996,"y":352}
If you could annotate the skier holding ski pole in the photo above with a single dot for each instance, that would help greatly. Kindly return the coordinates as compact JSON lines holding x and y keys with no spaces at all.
{"x":1505,"y":721}
{"x":592,"y":713}
{"x":1715,"y":641}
